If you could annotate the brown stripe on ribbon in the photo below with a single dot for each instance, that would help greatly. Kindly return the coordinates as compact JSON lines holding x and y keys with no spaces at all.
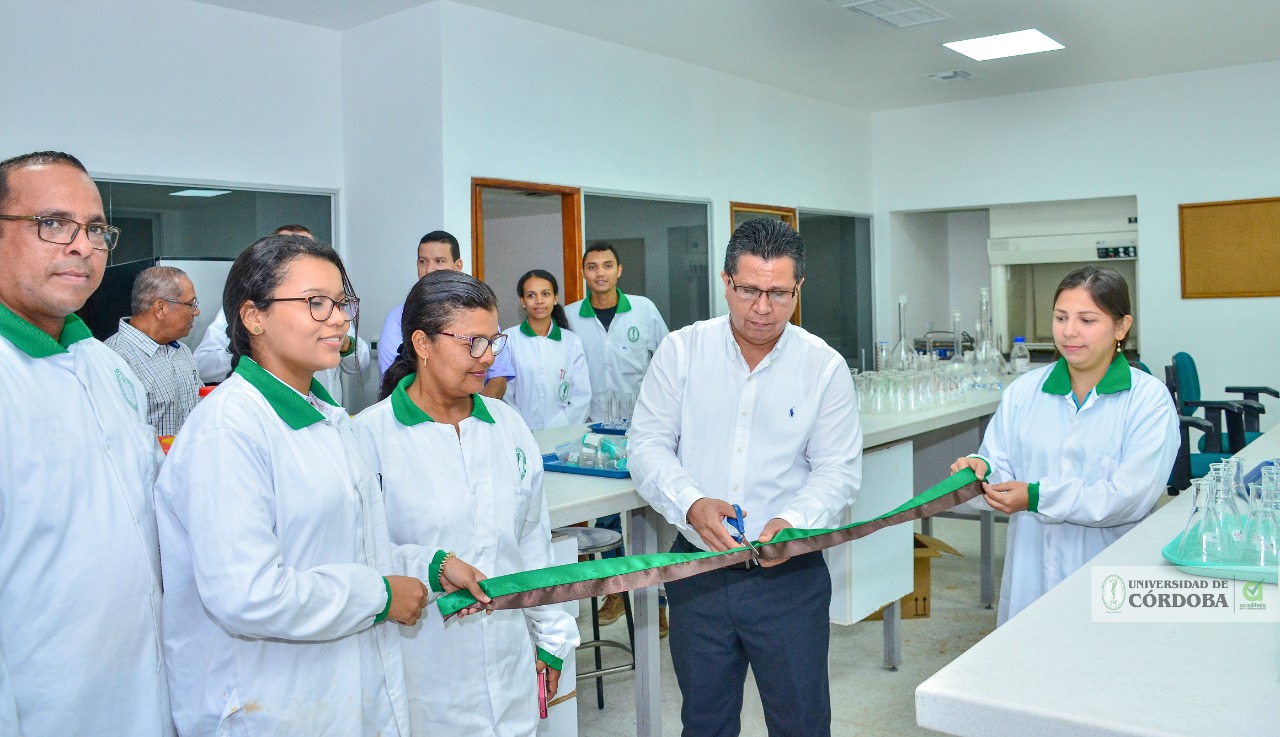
{"x":560,"y":593}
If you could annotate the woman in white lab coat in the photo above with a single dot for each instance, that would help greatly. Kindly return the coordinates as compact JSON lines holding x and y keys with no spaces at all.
{"x":463,"y":473}
{"x":552,"y":387}
{"x":1078,"y":452}
{"x":276,"y":562}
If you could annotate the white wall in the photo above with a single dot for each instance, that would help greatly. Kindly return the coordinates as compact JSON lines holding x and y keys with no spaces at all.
{"x":968,"y":268}
{"x":594,"y":114}
{"x":174,"y":89}
{"x":1182,"y":138}
{"x":392,"y":147}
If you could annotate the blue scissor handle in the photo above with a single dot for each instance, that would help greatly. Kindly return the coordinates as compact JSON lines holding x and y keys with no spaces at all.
{"x":738,"y":524}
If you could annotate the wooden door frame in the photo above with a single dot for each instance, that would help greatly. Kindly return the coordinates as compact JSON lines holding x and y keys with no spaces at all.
{"x":788,"y":215}
{"x":570,"y":221}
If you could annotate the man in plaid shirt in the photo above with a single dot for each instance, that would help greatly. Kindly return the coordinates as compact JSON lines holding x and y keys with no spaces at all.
{"x":164,"y":308}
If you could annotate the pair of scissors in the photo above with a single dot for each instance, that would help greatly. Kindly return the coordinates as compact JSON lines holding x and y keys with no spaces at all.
{"x":742,"y":533}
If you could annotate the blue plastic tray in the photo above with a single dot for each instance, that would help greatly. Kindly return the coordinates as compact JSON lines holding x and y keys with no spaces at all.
{"x":1215,"y":570}
{"x":599,"y":428}
{"x":1255,"y":476}
{"x":551,"y":462}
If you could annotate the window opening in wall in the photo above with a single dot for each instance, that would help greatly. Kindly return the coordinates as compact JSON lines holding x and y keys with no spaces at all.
{"x":663,"y":247}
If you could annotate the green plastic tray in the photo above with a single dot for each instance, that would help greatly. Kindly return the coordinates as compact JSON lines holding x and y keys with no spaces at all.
{"x":1215,"y":570}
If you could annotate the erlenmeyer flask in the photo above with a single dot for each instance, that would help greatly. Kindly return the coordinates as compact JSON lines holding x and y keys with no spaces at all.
{"x":1262,"y":528}
{"x":1194,"y":547}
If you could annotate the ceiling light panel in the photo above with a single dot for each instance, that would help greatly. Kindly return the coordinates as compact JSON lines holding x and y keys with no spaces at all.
{"x":199,"y":192}
{"x":1004,"y":45}
{"x":897,"y":13}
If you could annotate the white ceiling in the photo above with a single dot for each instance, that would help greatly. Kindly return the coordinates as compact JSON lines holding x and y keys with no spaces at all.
{"x":819,"y":49}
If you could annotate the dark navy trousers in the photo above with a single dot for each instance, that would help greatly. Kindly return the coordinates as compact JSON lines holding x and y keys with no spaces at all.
{"x":774,"y":619}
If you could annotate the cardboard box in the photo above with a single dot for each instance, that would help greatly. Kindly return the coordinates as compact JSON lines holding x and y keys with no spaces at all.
{"x":915,"y":605}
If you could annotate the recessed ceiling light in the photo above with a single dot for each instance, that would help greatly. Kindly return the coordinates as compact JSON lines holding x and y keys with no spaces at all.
{"x":1017,"y":43}
{"x":199,"y":192}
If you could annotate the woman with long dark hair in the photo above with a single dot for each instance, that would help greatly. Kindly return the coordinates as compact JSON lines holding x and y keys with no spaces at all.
{"x":1078,"y":452}
{"x":552,"y":387}
{"x":278,"y":572}
{"x":463,"y":473}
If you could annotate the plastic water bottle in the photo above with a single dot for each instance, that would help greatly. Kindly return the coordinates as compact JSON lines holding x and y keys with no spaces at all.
{"x":1020,"y":357}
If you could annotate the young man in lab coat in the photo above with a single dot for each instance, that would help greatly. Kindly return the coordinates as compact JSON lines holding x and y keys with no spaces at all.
{"x":437,"y":251}
{"x":748,"y":409}
{"x":619,"y":333}
{"x":79,"y":556}
{"x":213,"y":358}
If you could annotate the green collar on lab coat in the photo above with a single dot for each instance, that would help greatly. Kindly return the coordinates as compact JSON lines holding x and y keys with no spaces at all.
{"x":624,"y":305}
{"x":409,"y":414}
{"x":553,"y":333}
{"x":1117,"y":378}
{"x":291,"y":406}
{"x":35,"y":342}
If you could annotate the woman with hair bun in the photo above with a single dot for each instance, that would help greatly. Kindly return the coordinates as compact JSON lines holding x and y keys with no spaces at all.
{"x":462,"y":473}
{"x":552,"y":387}
{"x":1078,"y":452}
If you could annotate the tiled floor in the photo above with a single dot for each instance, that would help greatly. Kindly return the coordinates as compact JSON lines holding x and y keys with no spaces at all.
{"x":866,"y":699}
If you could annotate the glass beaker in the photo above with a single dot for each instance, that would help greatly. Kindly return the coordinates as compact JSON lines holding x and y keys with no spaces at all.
{"x":1262,"y":529}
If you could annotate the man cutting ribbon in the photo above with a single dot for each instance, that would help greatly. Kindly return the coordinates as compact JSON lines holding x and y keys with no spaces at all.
{"x":749,"y":410}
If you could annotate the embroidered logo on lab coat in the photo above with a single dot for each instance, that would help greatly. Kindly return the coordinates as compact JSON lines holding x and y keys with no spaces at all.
{"x":521,"y":462}
{"x":633,"y":335}
{"x":562,"y":393}
{"x":126,"y":388}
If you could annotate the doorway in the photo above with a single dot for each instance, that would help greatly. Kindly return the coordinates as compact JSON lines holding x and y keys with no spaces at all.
{"x":837,"y":286}
{"x":519,"y":226}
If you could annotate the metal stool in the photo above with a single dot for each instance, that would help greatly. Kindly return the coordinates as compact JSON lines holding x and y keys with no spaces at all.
{"x":591,"y":542}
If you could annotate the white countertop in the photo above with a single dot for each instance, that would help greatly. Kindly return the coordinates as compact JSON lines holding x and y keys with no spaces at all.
{"x":1051,"y":671}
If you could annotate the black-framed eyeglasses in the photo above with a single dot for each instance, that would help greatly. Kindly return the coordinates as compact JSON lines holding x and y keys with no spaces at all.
{"x":193,"y":304}
{"x":322,"y":305}
{"x":776,"y":296}
{"x":62,"y":231}
{"x":479,"y":343}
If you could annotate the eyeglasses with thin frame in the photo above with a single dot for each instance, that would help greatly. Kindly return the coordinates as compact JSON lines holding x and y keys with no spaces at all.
{"x":62,"y":231}
{"x":322,"y":305}
{"x":193,"y":304}
{"x":776,"y":296}
{"x":479,"y":343}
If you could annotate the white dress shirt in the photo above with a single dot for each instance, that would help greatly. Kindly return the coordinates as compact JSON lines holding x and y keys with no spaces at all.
{"x":213,"y":358}
{"x":1097,"y":471}
{"x":79,"y":561}
{"x":783,"y":440}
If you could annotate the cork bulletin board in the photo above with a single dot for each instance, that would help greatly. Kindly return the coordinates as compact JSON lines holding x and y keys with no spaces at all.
{"x":1230,"y":249}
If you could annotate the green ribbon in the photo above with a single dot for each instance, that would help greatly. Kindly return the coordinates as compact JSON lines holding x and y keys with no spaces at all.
{"x":615,"y":575}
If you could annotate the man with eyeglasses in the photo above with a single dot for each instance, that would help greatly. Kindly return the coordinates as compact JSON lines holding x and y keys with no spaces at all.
{"x":439,"y":251}
{"x":749,"y":409}
{"x":164,"y":307}
{"x":79,"y":554}
{"x":213,"y":357}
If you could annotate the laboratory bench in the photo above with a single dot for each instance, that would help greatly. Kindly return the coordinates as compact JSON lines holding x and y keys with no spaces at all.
{"x":1052,"y":671}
